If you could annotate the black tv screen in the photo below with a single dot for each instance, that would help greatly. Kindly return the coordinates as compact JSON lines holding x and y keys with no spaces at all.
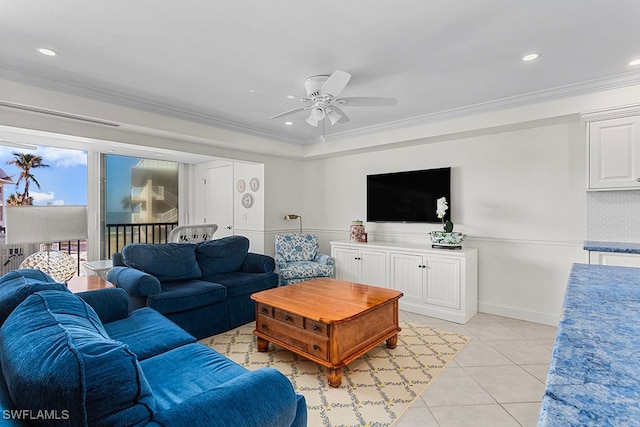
{"x":407,"y":196}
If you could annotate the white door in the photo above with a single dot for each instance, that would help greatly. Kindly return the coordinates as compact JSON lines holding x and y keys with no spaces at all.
{"x":614,"y":153}
{"x":347,"y":264}
{"x":218,"y":193}
{"x":407,"y":275}
{"x":374,"y":268}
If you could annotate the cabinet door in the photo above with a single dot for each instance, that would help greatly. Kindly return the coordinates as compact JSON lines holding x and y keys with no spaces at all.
{"x":443,"y":283}
{"x":373,"y":269}
{"x":614,"y":153}
{"x":407,"y":276}
{"x":347,"y":264}
{"x":614,"y":258}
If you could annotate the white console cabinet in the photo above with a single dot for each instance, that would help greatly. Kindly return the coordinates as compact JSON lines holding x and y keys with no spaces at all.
{"x":614,"y":258}
{"x":435,"y":282}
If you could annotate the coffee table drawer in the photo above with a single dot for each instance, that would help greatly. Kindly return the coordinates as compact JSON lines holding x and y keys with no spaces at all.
{"x":316,"y":327}
{"x":302,"y":340}
{"x":265,"y":310}
{"x":292,"y":319}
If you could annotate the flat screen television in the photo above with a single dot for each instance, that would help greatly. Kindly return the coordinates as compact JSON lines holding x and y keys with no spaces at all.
{"x":407,"y":196}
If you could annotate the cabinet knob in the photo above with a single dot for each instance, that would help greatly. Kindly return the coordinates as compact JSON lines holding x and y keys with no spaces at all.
{"x":315,"y":327}
{"x":264,"y":309}
{"x":315,"y":346}
{"x":287,"y":317}
{"x":264,"y":326}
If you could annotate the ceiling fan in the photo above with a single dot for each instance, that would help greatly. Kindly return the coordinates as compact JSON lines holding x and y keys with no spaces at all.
{"x":323,"y":102}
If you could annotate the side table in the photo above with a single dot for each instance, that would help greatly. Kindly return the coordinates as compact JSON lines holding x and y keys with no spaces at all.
{"x":98,"y":268}
{"x":87,"y":283}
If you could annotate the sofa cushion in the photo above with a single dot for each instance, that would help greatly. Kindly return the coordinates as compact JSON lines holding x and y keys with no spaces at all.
{"x":148,"y":333}
{"x":239,"y":283}
{"x":195,"y":368}
{"x":222,"y":255}
{"x":17,"y":285}
{"x":56,"y":356}
{"x":183,"y":296}
{"x":168,"y":262}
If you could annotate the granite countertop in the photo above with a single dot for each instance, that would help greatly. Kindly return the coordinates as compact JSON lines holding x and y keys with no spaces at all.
{"x":624,"y":247}
{"x":594,"y":375}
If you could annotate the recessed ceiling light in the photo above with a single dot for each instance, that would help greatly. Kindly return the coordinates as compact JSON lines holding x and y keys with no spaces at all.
{"x":47,"y":52}
{"x":635,"y":62}
{"x":288,"y":123}
{"x":291,"y":97}
{"x":531,"y":57}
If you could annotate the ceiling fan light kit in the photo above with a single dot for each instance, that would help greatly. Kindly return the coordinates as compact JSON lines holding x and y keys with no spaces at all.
{"x":323,"y":102}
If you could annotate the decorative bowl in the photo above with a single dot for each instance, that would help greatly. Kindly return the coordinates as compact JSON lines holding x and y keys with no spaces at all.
{"x":442,"y":239}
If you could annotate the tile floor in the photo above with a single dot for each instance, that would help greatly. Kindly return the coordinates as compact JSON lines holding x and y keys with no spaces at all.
{"x":496,"y":380}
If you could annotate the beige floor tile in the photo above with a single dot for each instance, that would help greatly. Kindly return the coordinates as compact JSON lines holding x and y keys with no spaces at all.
{"x":539,"y":370}
{"x":525,"y":413}
{"x":473,"y":416}
{"x":490,"y":331}
{"x":530,"y":330}
{"x":455,"y":387}
{"x":522,"y":351}
{"x":416,"y":417}
{"x":508,"y":384}
{"x":479,"y":353}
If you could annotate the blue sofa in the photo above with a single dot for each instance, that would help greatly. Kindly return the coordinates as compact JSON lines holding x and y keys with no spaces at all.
{"x":79,"y":360}
{"x":204,"y":287}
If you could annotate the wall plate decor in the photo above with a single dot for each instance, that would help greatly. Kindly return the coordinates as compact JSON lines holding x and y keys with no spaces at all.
{"x":247,"y":200}
{"x":241,"y":185}
{"x":254,"y":184}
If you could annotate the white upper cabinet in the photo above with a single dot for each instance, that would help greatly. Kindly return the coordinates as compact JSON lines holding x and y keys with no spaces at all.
{"x":614,"y":153}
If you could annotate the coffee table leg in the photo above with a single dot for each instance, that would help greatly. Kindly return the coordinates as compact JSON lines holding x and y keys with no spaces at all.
{"x":392,"y":342}
{"x":263,"y":345}
{"x":334,"y":376}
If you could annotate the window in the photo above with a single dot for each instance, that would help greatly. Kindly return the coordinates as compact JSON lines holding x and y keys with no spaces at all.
{"x":140,"y":201}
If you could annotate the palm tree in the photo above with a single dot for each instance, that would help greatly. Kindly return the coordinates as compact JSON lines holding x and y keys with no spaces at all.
{"x":17,"y":199}
{"x":25,"y":162}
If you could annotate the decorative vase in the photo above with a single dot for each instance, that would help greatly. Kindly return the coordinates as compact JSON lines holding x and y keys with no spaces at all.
{"x":357,"y":231}
{"x":443,"y":239}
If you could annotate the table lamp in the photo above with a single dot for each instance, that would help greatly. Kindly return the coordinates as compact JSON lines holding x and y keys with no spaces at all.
{"x":47,"y":225}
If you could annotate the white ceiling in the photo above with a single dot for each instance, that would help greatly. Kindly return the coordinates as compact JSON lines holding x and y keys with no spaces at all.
{"x":200,"y":59}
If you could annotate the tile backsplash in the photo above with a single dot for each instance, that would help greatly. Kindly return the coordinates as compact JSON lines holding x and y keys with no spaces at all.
{"x":613,"y":216}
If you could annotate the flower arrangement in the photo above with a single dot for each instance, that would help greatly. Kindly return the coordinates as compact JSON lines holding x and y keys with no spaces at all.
{"x":441,"y":211}
{"x":446,"y":238}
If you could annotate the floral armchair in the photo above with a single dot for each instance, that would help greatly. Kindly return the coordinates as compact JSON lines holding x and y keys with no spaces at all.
{"x":298,"y":259}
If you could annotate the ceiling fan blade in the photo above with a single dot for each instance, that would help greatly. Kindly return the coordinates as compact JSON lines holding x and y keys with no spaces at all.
{"x":335,"y":83}
{"x":295,"y":110}
{"x":365,"y":101}
{"x":343,"y":117}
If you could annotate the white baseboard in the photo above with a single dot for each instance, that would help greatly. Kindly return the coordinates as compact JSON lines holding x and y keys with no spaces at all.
{"x":519,"y":313}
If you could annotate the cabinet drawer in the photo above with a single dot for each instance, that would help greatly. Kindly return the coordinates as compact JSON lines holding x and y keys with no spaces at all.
{"x":317,"y":327}
{"x":289,"y":318}
{"x":265,"y":310}
{"x":300,"y":339}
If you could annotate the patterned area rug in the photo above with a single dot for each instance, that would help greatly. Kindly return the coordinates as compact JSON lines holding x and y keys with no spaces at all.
{"x":376,"y":388}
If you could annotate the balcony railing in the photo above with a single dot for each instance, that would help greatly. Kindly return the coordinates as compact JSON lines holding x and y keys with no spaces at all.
{"x":119,"y":235}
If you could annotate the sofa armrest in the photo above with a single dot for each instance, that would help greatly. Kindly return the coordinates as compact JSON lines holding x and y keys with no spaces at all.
{"x":240,"y":402}
{"x":110,"y":304}
{"x":324,"y":259}
{"x":137,"y":283}
{"x":258,"y":263}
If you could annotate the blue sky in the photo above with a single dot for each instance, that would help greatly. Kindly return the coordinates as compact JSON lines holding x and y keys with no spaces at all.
{"x":64,"y":182}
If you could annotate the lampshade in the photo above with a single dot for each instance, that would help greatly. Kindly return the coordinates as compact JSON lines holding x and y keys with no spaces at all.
{"x":316,"y":115}
{"x":45,"y":224}
{"x":294,"y":216}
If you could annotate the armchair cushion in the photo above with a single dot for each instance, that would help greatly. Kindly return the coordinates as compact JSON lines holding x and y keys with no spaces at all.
{"x":297,"y":246}
{"x":222,"y":255}
{"x":306,"y":270}
{"x":168,"y":262}
{"x":92,"y":379}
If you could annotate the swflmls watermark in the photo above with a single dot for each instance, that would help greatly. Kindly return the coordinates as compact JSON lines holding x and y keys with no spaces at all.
{"x":29,"y":414}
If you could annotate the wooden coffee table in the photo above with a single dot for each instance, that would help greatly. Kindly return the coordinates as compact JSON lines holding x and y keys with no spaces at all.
{"x":329,"y":321}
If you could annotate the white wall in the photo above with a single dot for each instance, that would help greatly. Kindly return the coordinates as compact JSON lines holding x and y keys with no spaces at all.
{"x":520,"y":196}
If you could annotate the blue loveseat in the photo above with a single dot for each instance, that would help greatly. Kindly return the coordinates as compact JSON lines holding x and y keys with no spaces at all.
{"x":203,"y":287}
{"x":79,"y":360}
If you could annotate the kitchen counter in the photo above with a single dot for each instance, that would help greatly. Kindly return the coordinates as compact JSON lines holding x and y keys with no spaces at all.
{"x":594,"y":375}
{"x":623,"y":247}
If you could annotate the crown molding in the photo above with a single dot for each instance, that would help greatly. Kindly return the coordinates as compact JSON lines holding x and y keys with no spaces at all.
{"x":596,"y":85}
